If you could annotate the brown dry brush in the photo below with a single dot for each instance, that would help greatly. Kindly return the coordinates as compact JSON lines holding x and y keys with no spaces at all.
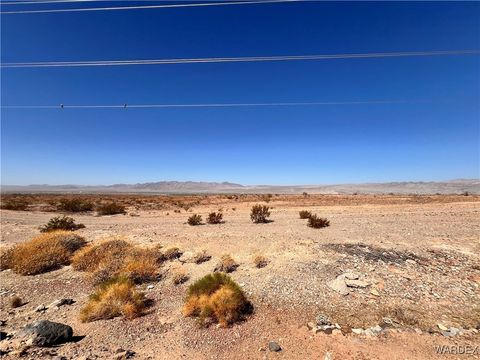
{"x":215,"y":218}
{"x":317,"y":222}
{"x":304,"y":214}
{"x":260,"y":213}
{"x":194,"y":220}
{"x":61,"y":223}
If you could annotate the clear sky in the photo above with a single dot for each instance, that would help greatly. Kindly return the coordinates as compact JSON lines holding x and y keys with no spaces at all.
{"x":433,"y":140}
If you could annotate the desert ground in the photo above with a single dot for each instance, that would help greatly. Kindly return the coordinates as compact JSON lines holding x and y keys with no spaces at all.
{"x":417,"y":256}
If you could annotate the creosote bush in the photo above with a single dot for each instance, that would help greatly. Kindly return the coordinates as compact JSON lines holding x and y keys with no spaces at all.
{"x":179,"y":276}
{"x":110,"y":208}
{"x":226,"y":264}
{"x":61,"y":223}
{"x":6,"y":257}
{"x":194,"y":220}
{"x":216,"y":298}
{"x":44,"y":253}
{"x":115,"y":297}
{"x":305,"y":214}
{"x":74,"y":205}
{"x":260,"y":213}
{"x":215,"y":218}
{"x":15,"y":204}
{"x":172,"y":253}
{"x":317,"y":222}
{"x":201,"y":257}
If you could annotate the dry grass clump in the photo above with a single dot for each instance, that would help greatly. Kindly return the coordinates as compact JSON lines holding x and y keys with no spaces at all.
{"x":317,"y":222}
{"x":201,"y":257}
{"x":44,"y":253}
{"x":111,"y":208}
{"x":260,"y":214}
{"x":215,"y":218}
{"x":118,"y":257}
{"x":6,"y":257}
{"x":216,"y":298}
{"x":305,"y":214}
{"x":16,"y":302}
{"x":61,"y":223}
{"x":226,"y":264}
{"x":116,"y":297}
{"x":260,"y":261}
{"x":15,"y":204}
{"x":172,"y":253}
{"x":74,"y":205}
{"x":194,"y":220}
{"x":179,"y":276}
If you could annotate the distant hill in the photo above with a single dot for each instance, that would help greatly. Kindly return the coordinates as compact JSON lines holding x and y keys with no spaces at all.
{"x":456,"y":186}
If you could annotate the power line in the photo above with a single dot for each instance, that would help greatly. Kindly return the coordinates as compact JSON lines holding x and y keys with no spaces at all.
{"x":149,"y":6}
{"x":214,"y":105}
{"x":234,"y":59}
{"x":34,"y":2}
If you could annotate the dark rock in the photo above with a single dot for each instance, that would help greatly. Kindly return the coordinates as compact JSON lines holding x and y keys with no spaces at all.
{"x":273,"y":346}
{"x":46,"y":333}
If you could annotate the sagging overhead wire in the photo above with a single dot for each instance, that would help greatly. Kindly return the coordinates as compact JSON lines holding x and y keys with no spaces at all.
{"x":139,"y":7}
{"x":212,"y":105}
{"x":234,"y":59}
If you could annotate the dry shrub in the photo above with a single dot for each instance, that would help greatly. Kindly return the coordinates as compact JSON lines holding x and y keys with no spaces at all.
{"x":15,"y":204}
{"x":201,"y":257}
{"x":116,"y":297}
{"x":215,"y":218}
{"x":317,"y":222}
{"x":260,"y":214}
{"x":194,"y":220}
{"x":172,"y":253}
{"x":216,"y":298}
{"x":45,"y":252}
{"x":74,"y":205}
{"x":305,"y":214}
{"x":61,"y":223}
{"x":260,"y":261}
{"x":6,"y":257}
{"x":16,"y":302}
{"x":226,"y":264}
{"x":179,"y":276}
{"x":111,"y":208}
{"x":118,"y":257}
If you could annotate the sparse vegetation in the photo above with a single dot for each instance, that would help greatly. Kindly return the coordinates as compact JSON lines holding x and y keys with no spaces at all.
{"x":317,"y":222}
{"x":226,"y":264}
{"x":116,"y":297}
{"x":260,"y":214}
{"x":61,"y":223}
{"x":172,"y":253}
{"x":43,"y":253}
{"x":194,"y":220}
{"x":6,"y":257}
{"x":260,"y":261}
{"x":16,"y":302}
{"x":201,"y":257}
{"x":74,"y":205}
{"x":111,"y":208}
{"x":15,"y":204}
{"x":116,"y":257}
{"x":179,"y":276}
{"x":215,"y":218}
{"x":216,"y":298}
{"x":305,"y":214}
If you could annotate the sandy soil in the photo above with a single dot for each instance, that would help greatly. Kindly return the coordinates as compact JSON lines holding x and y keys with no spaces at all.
{"x":422,"y":259}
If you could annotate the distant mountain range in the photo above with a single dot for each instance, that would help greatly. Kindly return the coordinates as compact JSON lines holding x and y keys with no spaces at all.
{"x":191,"y":187}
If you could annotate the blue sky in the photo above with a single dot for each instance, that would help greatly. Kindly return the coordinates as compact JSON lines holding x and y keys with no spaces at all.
{"x":433,"y":140}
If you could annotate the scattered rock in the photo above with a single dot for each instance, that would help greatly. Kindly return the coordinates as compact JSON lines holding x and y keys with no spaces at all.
{"x":61,"y":302}
{"x":273,"y":346}
{"x":322,"y":319}
{"x":356,"y":283}
{"x":150,"y":287}
{"x":40,"y":308}
{"x":338,"y":285}
{"x":358,"y":331}
{"x":442,"y":327}
{"x":46,"y":333}
{"x":351,"y":275}
{"x":374,"y":292}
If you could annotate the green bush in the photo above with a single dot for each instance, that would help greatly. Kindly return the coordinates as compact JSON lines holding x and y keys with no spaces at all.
{"x":194,"y":220}
{"x":61,"y":223}
{"x":317,"y":222}
{"x":15,"y":204}
{"x":74,"y":205}
{"x":110,"y":208}
{"x":260,"y":214}
{"x":215,"y":218}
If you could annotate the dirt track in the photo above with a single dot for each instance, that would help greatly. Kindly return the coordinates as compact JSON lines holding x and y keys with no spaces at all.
{"x":421,"y":258}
